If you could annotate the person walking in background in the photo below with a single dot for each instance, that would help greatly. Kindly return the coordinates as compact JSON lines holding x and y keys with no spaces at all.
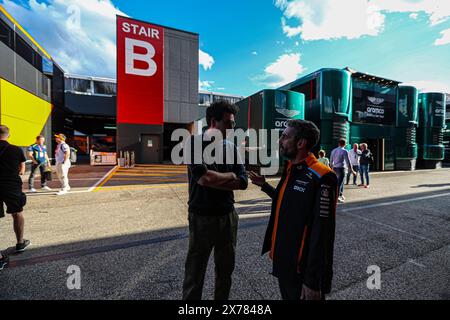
{"x":37,"y":153}
{"x":322,"y":159}
{"x":354,"y":156}
{"x":339,"y":161}
{"x":12,"y":166}
{"x":364,"y":163}
{"x":62,"y":156}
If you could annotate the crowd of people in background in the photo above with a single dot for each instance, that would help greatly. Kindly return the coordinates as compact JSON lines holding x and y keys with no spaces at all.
{"x":349,"y":163}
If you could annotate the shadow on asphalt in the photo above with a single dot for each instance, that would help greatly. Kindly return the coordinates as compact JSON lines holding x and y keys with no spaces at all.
{"x":438,"y":185}
{"x":48,"y":254}
{"x":79,"y":249}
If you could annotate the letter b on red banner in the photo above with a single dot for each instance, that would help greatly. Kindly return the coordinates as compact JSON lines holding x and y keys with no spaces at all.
{"x":140,"y":72}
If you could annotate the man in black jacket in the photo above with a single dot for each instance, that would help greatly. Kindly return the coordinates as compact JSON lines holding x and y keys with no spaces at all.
{"x":213,"y":220}
{"x":300,"y":234}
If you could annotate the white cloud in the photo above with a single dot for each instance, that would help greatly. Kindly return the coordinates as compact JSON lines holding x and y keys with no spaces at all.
{"x":205,"y":60}
{"x":79,"y":34}
{"x":290,"y":31}
{"x":285,"y":69}
{"x":437,"y":10}
{"x":332,"y":19}
{"x":414,"y":16}
{"x":429,"y":86}
{"x":444,"y":39}
{"x":254,"y":53}
{"x":205,"y":85}
{"x":351,"y":19}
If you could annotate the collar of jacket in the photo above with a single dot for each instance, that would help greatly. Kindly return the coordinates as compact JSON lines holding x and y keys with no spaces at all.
{"x":307,"y":163}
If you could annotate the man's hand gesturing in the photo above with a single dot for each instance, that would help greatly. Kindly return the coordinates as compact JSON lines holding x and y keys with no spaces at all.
{"x":256,"y":178}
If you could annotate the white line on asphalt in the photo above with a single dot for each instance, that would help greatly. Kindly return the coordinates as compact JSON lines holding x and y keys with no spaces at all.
{"x":387,"y":226}
{"x":347,"y":211}
{"x":415,"y":263}
{"x":256,"y":215}
{"x":390,"y":203}
{"x":100,"y":181}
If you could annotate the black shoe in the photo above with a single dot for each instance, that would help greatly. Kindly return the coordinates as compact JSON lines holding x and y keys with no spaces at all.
{"x":20,"y":247}
{"x":4,"y":261}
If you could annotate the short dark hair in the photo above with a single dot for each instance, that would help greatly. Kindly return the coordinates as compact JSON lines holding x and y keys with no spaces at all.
{"x":342,"y":142}
{"x":39,"y":137}
{"x":218,"y":109}
{"x":4,"y":131}
{"x":305,"y":130}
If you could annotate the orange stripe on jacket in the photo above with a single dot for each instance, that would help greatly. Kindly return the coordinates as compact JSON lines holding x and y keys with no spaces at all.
{"x":302,"y":246}
{"x":317,"y":166}
{"x":277,"y":211}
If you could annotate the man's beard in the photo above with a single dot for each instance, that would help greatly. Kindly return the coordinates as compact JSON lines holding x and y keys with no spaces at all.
{"x":285,"y":153}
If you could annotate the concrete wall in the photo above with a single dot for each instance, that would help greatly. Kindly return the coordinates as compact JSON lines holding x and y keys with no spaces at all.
{"x":180,"y":76}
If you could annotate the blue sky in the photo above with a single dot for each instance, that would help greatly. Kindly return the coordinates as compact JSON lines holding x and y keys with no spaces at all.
{"x":249,"y":45}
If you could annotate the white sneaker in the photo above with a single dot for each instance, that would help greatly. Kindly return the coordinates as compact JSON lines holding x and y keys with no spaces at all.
{"x":33,"y":190}
{"x":61,"y":193}
{"x":341,"y":200}
{"x":46,"y":188}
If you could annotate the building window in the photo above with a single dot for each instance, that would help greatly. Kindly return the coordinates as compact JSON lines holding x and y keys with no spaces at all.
{"x":24,"y":50}
{"x":78,"y":85}
{"x":6,"y":34}
{"x":107,"y":88}
{"x":45,"y":82}
{"x":308,"y":89}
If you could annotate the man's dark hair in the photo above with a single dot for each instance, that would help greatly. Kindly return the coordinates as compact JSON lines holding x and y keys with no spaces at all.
{"x":305,"y":130}
{"x":342,"y":142}
{"x":39,"y":137}
{"x":4,"y":131}
{"x":218,"y":109}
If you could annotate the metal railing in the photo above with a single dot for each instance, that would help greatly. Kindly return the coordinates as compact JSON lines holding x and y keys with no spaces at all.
{"x":127,"y":159}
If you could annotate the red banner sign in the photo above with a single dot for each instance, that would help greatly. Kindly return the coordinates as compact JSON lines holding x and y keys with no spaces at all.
{"x":140,"y":72}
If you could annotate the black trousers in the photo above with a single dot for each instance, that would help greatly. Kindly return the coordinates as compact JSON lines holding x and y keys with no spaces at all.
{"x":34,"y":167}
{"x":207,"y":233}
{"x":291,"y":289}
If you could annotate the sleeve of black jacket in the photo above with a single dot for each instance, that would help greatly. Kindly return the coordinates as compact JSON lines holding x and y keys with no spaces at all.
{"x":239,"y":171}
{"x":268,"y":189}
{"x":319,"y":270}
{"x":196,"y":165}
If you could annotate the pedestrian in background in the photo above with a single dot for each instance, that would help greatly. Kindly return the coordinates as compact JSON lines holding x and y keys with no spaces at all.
{"x":322,"y":159}
{"x":340,"y":161}
{"x":62,"y":157}
{"x":354,"y":156}
{"x":364,"y":163}
{"x":37,"y":153}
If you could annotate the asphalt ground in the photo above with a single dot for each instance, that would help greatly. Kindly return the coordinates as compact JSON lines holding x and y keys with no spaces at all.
{"x":131,"y":242}
{"x":81,"y":178}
